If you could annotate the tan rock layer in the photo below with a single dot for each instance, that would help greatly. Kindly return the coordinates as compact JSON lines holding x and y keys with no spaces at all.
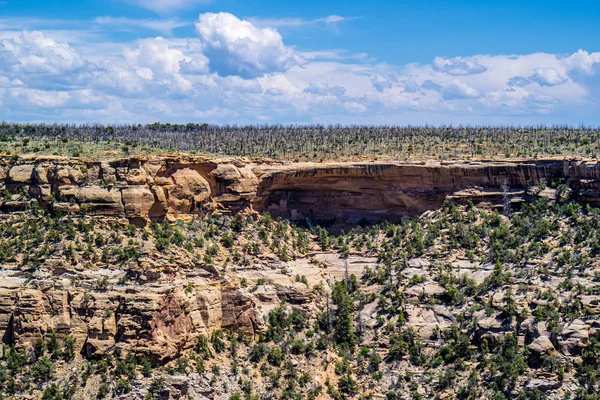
{"x":158,"y":322}
{"x":153,"y":188}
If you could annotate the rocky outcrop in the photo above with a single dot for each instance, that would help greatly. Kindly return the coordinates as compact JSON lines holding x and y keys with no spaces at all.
{"x":540,"y":347}
{"x":574,"y":337}
{"x":158,"y":321}
{"x":144,"y":188}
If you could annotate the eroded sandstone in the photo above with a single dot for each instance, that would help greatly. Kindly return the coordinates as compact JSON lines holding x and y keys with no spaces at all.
{"x":154,"y":188}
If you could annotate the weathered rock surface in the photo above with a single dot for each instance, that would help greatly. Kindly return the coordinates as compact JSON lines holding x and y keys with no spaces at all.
{"x":153,"y":188}
{"x":159,"y":321}
{"x":540,"y":347}
{"x":574,"y":337}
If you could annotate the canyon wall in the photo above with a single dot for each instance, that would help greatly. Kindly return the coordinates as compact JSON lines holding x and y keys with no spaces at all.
{"x":157,"y":320}
{"x":179,"y":298}
{"x":145,"y":188}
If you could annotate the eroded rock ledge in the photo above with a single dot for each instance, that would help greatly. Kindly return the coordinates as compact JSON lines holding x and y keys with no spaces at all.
{"x":152,"y":188}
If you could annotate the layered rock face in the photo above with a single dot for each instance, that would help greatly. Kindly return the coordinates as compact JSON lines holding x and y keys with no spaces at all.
{"x":143,"y":189}
{"x":84,"y":272}
{"x":162,"y":320}
{"x":158,"y":321}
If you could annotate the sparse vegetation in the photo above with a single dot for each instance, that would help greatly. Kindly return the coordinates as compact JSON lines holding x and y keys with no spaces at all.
{"x":463,"y":302}
{"x":301,"y":143}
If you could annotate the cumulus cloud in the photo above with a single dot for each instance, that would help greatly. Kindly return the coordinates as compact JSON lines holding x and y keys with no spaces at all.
{"x":236,"y":47}
{"x":38,"y":98}
{"x":162,"y":59}
{"x":541,"y":76}
{"x":36,"y":53}
{"x":458,"y":66}
{"x":9,"y":83}
{"x":116,"y":79}
{"x":431,"y":85}
{"x":381,"y":82}
{"x":459,"y":90}
{"x":7,"y":57}
{"x":584,"y":61}
{"x":452,"y":90}
{"x":235,"y":71}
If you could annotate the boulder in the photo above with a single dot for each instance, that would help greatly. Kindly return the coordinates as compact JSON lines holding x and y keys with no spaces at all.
{"x":40,"y":174}
{"x":133,"y":176}
{"x":138,"y":201}
{"x":544,"y":385}
{"x":574,"y":337}
{"x":296,"y":293}
{"x":20,"y":174}
{"x":66,"y":175}
{"x":189,"y":190}
{"x":542,"y":346}
{"x":426,"y":322}
{"x":235,"y":180}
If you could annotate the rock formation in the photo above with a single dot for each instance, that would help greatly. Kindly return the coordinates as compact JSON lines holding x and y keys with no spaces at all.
{"x":157,"y":301}
{"x":146,"y":188}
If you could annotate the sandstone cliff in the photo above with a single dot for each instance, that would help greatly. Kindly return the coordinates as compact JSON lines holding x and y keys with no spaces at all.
{"x":79,"y":268}
{"x":142,"y":189}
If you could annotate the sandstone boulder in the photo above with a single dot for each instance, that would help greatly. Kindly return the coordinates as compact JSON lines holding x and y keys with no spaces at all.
{"x":138,"y":201}
{"x":65,"y":175}
{"x":107,"y":172}
{"x":540,"y":347}
{"x":66,"y":192}
{"x":544,"y":385}
{"x":238,"y":311}
{"x":41,"y":192}
{"x":574,"y":337}
{"x":236,"y":180}
{"x":20,"y":174}
{"x":188,"y":191}
{"x":296,"y":294}
{"x":40,"y":174}
{"x":426,"y":322}
{"x":132,"y":176}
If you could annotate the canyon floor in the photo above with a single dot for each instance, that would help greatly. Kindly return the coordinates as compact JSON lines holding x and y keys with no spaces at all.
{"x":180,"y":277}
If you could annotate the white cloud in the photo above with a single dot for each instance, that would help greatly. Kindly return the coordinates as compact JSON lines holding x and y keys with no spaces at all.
{"x":236,"y":47}
{"x":235,"y":71}
{"x":328,"y":21}
{"x":458,"y":66}
{"x":167,"y":6}
{"x":584,"y":61}
{"x":321,"y":89}
{"x":165,"y":26}
{"x":382,"y":83}
{"x":38,"y":98}
{"x":453,"y":90}
{"x":36,"y":53}
{"x":459,"y":90}
{"x":542,"y":76}
{"x":9,"y":83}
{"x":117,"y":79}
{"x":156,"y":55}
{"x":431,"y":85}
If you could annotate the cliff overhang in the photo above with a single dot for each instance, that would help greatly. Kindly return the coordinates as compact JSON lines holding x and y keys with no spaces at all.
{"x":154,"y":188}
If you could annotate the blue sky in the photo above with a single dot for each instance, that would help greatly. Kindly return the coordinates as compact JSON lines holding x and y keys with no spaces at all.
{"x":222,"y":61}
